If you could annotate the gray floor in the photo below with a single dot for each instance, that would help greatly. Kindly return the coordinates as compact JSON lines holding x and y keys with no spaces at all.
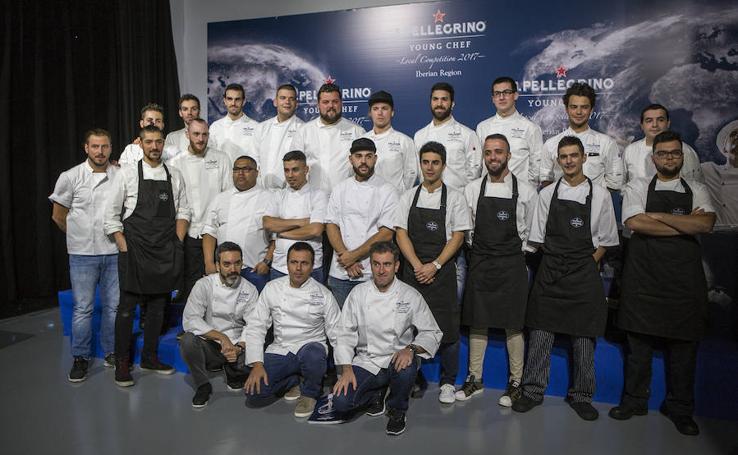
{"x":43,"y":413}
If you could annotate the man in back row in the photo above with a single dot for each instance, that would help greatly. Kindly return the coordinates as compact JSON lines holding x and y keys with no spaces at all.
{"x":275,"y":137}
{"x":235,"y":133}
{"x":177,"y":141}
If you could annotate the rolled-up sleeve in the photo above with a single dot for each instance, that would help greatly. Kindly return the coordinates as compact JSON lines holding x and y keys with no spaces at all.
{"x":63,"y":191}
{"x":114,"y":211}
{"x":180,"y":199}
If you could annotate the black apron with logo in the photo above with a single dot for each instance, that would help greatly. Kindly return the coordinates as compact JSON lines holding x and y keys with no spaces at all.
{"x":497,"y":282}
{"x":427,"y":231}
{"x":155,"y":257}
{"x":567,"y":295}
{"x":664,"y":287}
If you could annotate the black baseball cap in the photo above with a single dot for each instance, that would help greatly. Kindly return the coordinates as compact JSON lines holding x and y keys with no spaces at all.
{"x":381,"y":97}
{"x":363,"y":144}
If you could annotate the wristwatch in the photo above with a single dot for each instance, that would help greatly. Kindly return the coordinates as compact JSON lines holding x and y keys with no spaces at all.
{"x":437,"y":264}
{"x":266,"y":261}
{"x":413,"y":348}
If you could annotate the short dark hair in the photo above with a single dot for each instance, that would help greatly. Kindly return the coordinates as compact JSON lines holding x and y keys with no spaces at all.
{"x":433,"y":147}
{"x":502,"y":80}
{"x":666,"y":136}
{"x":246,"y":157}
{"x":301,"y":246}
{"x":445,"y":86}
{"x":188,"y":97}
{"x":149,"y":129}
{"x":200,"y":120}
{"x":226,"y":247}
{"x":96,"y":132}
{"x":570,"y":140}
{"x":580,"y":89}
{"x":287,"y":87}
{"x":329,"y":88}
{"x":236,"y":87}
{"x":653,"y":107}
{"x":152,"y":107}
{"x":295,"y":155}
{"x":385,"y":247}
{"x":500,"y":137}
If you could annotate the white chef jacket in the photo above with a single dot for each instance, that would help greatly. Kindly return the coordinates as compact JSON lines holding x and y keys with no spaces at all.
{"x":637,"y":162}
{"x":274,"y":141}
{"x":359,"y":209}
{"x":457,"y":213}
{"x":602,"y":220}
{"x":124,"y":194}
{"x":236,"y":216}
{"x":375,"y":325}
{"x":527,"y":200}
{"x":327,"y":150}
{"x":722,"y":184}
{"x":463,"y":151}
{"x":205,"y":176}
{"x":635,"y":195}
{"x":298,"y":315}
{"x":235,"y":137}
{"x":213,"y":305}
{"x":86,"y":194}
{"x":604,"y":164}
{"x":526,"y":143}
{"x":397,"y":161}
{"x":307,"y":202}
{"x":175,"y":143}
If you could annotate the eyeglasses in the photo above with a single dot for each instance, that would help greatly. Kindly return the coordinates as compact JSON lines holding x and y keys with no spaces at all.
{"x":670,"y":153}
{"x":243,"y":170}
{"x":503,"y":93}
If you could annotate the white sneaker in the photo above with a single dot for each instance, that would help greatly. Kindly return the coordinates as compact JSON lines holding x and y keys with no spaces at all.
{"x":447,"y":394}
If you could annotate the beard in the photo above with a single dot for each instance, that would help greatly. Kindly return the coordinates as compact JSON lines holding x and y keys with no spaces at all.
{"x":330,"y":118}
{"x":669,"y":173}
{"x":366,"y":174}
{"x":441,"y":115}
{"x":230,"y":279}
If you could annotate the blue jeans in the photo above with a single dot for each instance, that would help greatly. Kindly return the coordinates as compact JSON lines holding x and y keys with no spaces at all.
{"x":368,"y":385}
{"x":254,"y":278}
{"x":284,"y":372}
{"x":87,"y":273}
{"x":341,"y":288}
{"x":317,"y":274}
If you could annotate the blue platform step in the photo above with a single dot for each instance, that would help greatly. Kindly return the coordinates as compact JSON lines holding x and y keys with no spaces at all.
{"x":716,"y":381}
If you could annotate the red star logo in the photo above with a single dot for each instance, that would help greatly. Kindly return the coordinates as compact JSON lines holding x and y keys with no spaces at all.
{"x":560,"y":71}
{"x":329,"y":79}
{"x":438,"y":16}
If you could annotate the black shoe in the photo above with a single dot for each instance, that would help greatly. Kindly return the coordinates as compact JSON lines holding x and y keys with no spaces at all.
{"x":420,"y":386}
{"x":123,"y":376}
{"x":156,"y":366}
{"x":525,"y":404}
{"x":470,"y":388}
{"x":396,"y":424}
{"x":685,"y":424}
{"x":624,"y":412}
{"x":584,"y":409}
{"x":78,"y":373}
{"x":202,"y":395}
{"x":377,"y":407}
{"x":234,"y":380}
{"x":512,"y":393}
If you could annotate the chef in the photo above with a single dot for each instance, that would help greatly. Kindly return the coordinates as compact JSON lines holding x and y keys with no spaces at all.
{"x":235,"y":134}
{"x":275,"y":137}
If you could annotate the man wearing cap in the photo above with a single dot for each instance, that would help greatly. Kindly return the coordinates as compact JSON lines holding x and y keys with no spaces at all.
{"x":396,"y":159}
{"x":361,"y":212}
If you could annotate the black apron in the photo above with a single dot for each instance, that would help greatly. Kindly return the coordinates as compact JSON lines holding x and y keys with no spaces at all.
{"x":567,"y":295}
{"x":155,"y":256}
{"x":664,"y":286}
{"x":497,"y":282}
{"x":427,"y":231}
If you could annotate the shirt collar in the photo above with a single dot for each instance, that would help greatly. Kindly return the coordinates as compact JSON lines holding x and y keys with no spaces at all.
{"x":512,"y":116}
{"x":389,"y":290}
{"x":381,"y":135}
{"x":451,"y":121}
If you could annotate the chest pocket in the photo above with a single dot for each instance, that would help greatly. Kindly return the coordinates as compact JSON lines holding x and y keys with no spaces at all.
{"x":402,"y":317}
{"x":316,"y":305}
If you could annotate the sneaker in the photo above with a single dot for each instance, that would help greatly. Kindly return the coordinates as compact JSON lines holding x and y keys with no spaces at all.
{"x":109,"y":360}
{"x":202,"y":396}
{"x":447,"y":394}
{"x":377,"y":407}
{"x":305,"y":406}
{"x":511,"y":394}
{"x":78,"y":373}
{"x":235,"y":380}
{"x":396,"y":424}
{"x":525,"y":404}
{"x":293,"y":394}
{"x":156,"y":366}
{"x":123,"y":376}
{"x":470,"y":388}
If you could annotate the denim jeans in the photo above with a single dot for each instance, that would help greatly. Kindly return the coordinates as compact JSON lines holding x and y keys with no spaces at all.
{"x":341,"y":288}
{"x":317,"y":274}
{"x":368,"y":385}
{"x":86,"y":274}
{"x":284,"y":372}
{"x":254,"y":278}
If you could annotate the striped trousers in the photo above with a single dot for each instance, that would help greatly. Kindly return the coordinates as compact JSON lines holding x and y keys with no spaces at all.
{"x":538,"y":367}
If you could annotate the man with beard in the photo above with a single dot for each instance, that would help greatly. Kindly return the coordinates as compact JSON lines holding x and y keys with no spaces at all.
{"x":297,"y":213}
{"x":604,"y":165}
{"x":235,"y":215}
{"x":664,"y":299}
{"x":206,"y":173}
{"x":151,"y":114}
{"x":216,"y":313}
{"x":361,"y":212}
{"x":386,"y":327}
{"x":79,"y":200}
{"x":430,"y":226}
{"x":275,"y":136}
{"x":574,"y":221}
{"x":303,"y":313}
{"x":722,"y":179}
{"x":177,"y":141}
{"x":497,"y":291}
{"x":397,"y":162}
{"x":325,"y":139}
{"x":235,"y":134}
{"x":637,"y":162}
{"x":148,"y":216}
{"x":524,"y":136}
